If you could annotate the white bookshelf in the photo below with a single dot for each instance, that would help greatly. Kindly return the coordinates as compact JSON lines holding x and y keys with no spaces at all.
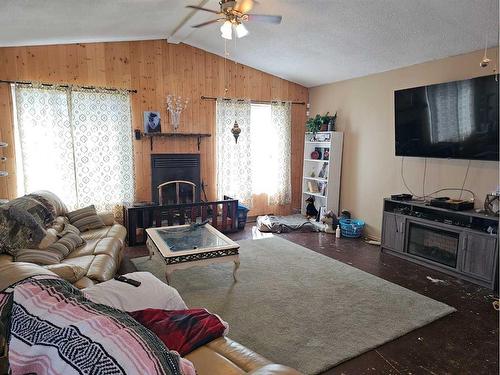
{"x":330,"y":196}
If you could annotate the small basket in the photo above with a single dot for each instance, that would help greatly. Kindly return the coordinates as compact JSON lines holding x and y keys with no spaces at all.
{"x":351,"y":228}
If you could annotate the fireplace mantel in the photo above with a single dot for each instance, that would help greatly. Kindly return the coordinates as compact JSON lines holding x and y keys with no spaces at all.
{"x":151,"y":136}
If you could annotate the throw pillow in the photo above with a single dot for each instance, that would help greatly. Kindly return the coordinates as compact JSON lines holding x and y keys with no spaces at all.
{"x":66,"y":244}
{"x":68,"y":228}
{"x":42,"y":257}
{"x":85,"y":219}
{"x":182,"y":330}
{"x":126,"y":297}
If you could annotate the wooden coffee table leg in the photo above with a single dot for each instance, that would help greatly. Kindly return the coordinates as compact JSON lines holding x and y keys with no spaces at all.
{"x":236,"y":266}
{"x":168,"y":275}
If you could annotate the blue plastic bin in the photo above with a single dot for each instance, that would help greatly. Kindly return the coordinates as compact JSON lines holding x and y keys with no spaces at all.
{"x":351,"y":228}
{"x":242,"y":213}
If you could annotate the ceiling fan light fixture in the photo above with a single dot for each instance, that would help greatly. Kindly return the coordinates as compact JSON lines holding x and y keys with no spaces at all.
{"x":241,"y":30}
{"x":227,"y":30}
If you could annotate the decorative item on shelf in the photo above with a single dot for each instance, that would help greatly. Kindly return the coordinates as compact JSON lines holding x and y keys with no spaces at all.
{"x":236,"y":130}
{"x":313,"y":174}
{"x":323,"y":137}
{"x":152,"y":122}
{"x":492,"y":203}
{"x":320,"y":151}
{"x":175,"y":106}
{"x":329,"y":121}
{"x":315,"y":155}
{"x":312,"y":187}
{"x":311,"y":210}
{"x":322,"y":188}
{"x":326,"y":154}
{"x":323,"y":172}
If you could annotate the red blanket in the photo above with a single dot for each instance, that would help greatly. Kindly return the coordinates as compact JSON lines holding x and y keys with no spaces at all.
{"x":182,"y":330}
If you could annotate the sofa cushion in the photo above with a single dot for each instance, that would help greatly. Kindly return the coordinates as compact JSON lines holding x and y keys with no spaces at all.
{"x":83,"y":261}
{"x":68,"y":272}
{"x":107,"y":218}
{"x":12,"y":272}
{"x":84,"y":282}
{"x":103,"y":268}
{"x":66,"y":244}
{"x":117,"y":231}
{"x":85,"y":218}
{"x":37,"y":256}
{"x":225,"y":356}
{"x":59,"y":206}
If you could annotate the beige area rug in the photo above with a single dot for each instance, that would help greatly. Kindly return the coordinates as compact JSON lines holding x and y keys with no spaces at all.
{"x":300,"y":308}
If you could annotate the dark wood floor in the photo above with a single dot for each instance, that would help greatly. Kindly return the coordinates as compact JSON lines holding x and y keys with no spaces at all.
{"x":465,"y":342}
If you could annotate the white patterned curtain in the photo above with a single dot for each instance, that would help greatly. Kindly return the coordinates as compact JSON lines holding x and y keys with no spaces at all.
{"x":234,"y":163}
{"x":76,"y":143}
{"x":102,"y":134}
{"x":45,"y":142}
{"x":260,"y":162}
{"x":281,"y":131}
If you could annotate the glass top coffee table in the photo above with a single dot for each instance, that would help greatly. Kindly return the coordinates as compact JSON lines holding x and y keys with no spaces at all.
{"x":185,"y":246}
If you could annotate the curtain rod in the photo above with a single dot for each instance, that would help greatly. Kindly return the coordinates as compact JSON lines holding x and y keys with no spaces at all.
{"x":67,"y":86}
{"x":251,"y":101}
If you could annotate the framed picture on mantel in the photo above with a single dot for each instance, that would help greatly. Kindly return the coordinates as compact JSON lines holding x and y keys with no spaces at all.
{"x":152,"y":122}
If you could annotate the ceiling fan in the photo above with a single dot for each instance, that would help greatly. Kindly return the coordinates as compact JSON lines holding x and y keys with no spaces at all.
{"x":234,"y":13}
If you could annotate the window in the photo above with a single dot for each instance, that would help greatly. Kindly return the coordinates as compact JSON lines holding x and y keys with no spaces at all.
{"x":260,"y":161}
{"x":76,"y":143}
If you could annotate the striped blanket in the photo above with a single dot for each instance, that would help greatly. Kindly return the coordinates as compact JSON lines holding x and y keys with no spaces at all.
{"x":53,"y":329}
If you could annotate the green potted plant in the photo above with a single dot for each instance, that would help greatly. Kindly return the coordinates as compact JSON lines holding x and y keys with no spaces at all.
{"x":313,"y":124}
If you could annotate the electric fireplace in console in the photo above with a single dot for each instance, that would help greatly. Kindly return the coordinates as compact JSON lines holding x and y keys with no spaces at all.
{"x":463,"y":244}
{"x":438,"y":245}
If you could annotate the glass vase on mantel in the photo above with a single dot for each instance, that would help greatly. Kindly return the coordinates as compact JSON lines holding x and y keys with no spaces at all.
{"x":175,"y":106}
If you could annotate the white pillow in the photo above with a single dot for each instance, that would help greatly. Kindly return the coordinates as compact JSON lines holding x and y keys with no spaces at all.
{"x":151,"y":294}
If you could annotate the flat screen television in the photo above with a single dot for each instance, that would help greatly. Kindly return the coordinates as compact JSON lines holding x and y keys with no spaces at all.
{"x":456,"y":120}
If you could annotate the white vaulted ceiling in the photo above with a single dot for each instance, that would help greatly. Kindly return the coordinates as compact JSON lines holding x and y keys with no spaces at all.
{"x":319,"y":41}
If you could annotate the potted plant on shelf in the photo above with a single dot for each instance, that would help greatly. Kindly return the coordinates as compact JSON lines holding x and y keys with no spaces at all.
{"x":313,"y":124}
{"x":321,"y":123}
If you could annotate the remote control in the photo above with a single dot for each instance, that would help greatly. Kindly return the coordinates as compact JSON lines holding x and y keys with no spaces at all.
{"x":124,"y":279}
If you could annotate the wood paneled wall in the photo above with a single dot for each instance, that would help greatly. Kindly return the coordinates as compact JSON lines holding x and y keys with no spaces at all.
{"x":156,"y":69}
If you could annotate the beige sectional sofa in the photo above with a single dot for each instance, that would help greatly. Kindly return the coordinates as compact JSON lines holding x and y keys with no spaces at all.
{"x":95,"y":261}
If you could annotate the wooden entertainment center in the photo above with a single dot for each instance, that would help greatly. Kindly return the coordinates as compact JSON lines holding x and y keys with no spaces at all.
{"x":461,"y":243}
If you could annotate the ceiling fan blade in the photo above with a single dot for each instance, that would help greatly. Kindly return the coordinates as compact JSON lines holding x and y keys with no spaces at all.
{"x":207,"y":23}
{"x":244,"y":6}
{"x":264,"y":18}
{"x":204,"y":9}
